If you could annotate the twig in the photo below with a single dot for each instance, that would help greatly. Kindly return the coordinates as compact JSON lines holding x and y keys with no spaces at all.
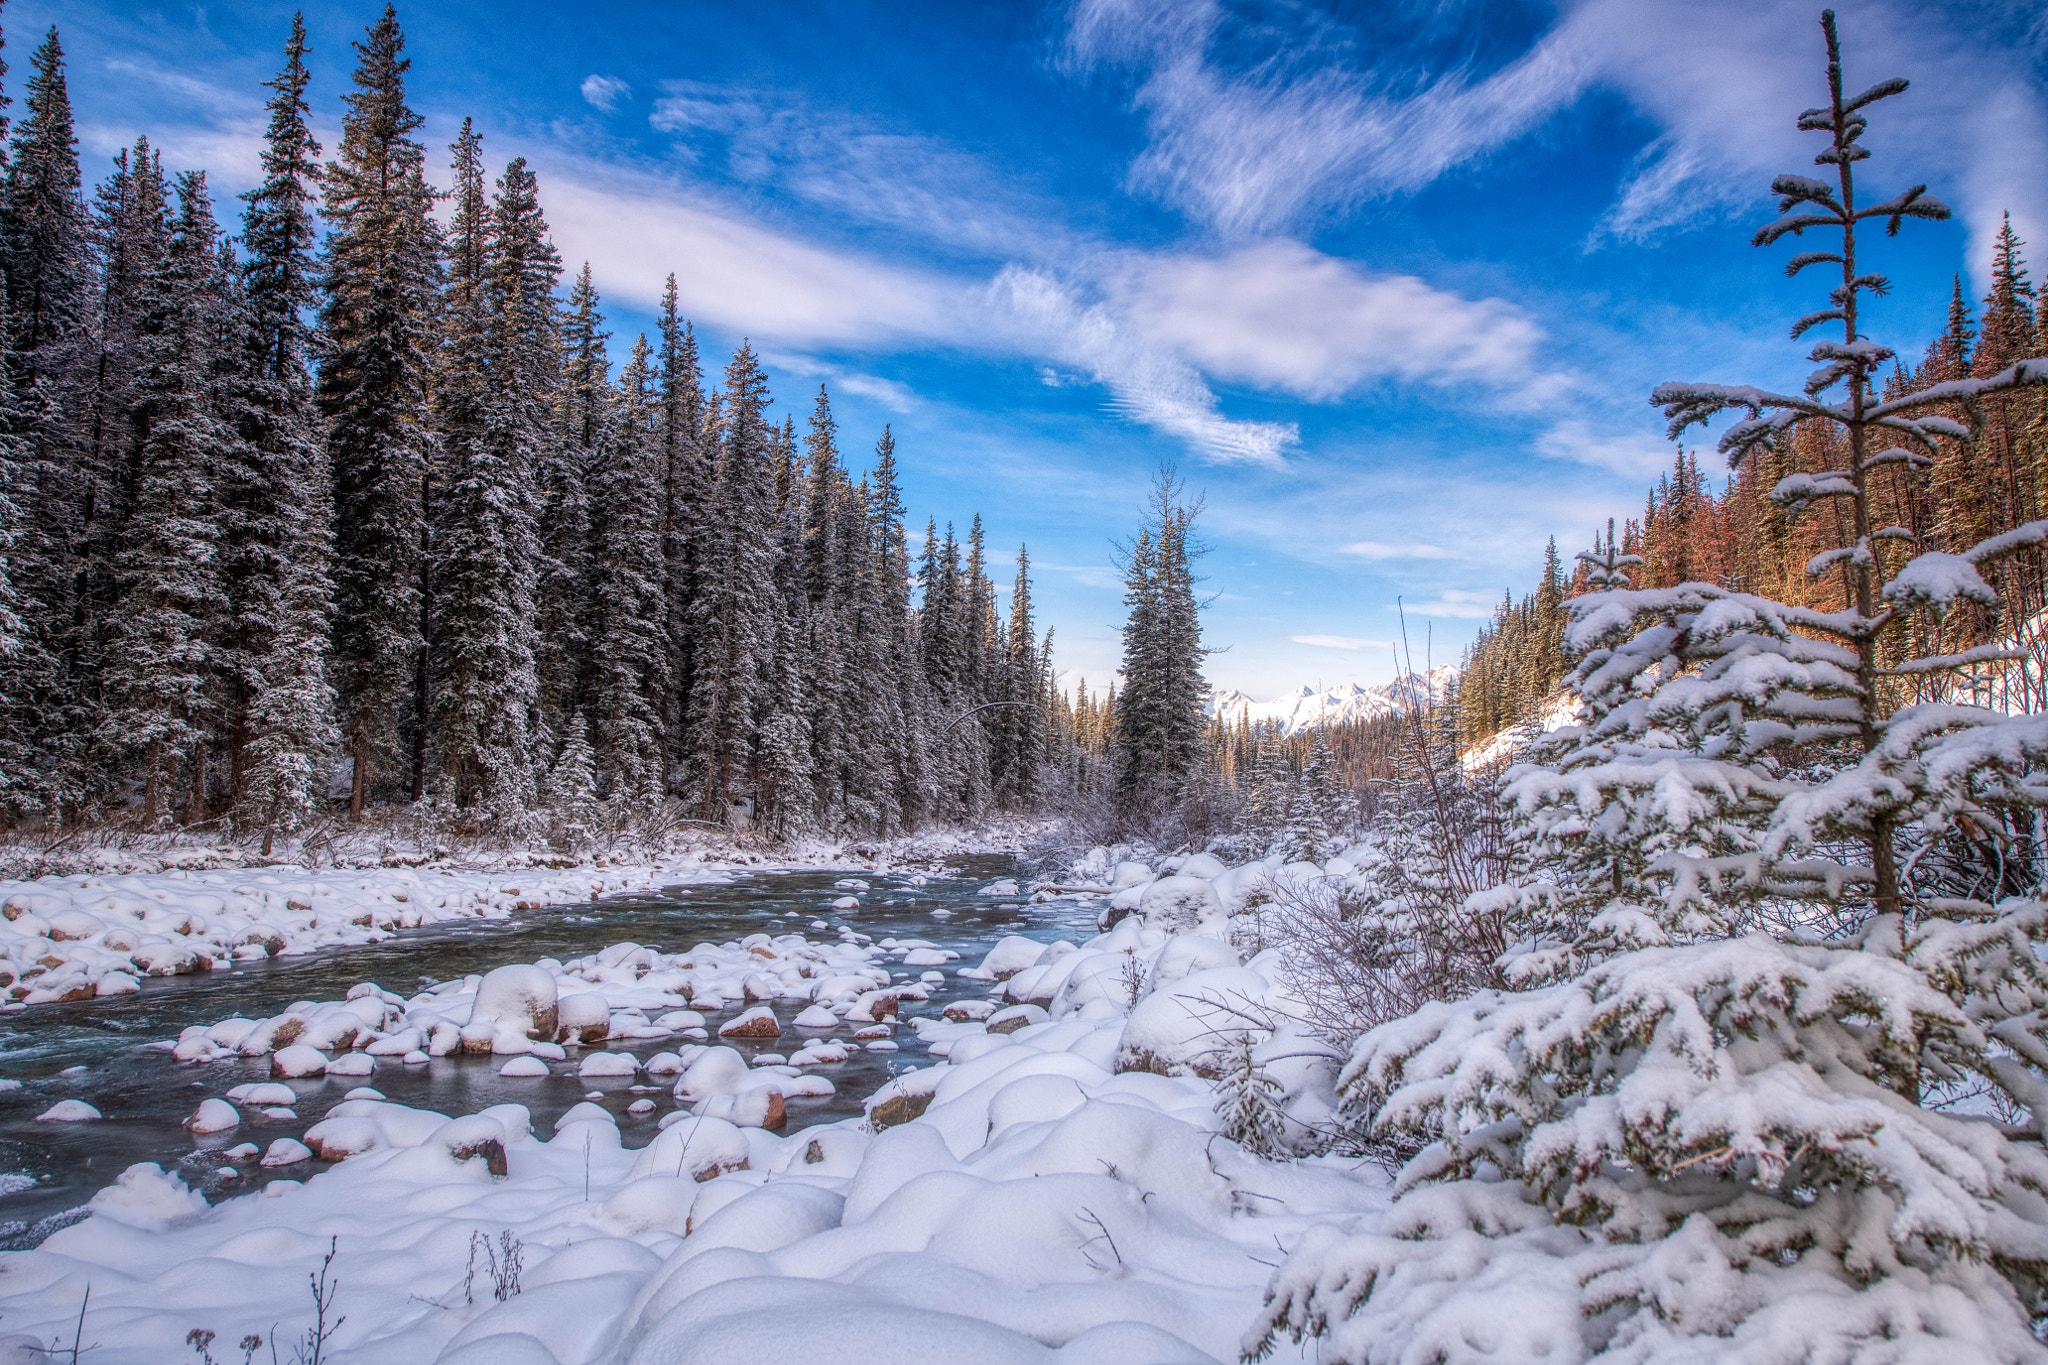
{"x":1088,"y":1216}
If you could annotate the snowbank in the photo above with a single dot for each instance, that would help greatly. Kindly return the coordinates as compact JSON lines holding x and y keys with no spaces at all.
{"x":624,"y":992}
{"x":71,"y":938}
{"x":1037,"y":1196}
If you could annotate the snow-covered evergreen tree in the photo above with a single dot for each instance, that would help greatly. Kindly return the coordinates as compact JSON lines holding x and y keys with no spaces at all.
{"x":494,"y":404}
{"x":46,"y":259}
{"x":376,"y":339}
{"x":563,"y":475}
{"x":734,"y":612}
{"x":1727,"y":1131}
{"x":171,"y":594}
{"x":629,"y":654}
{"x":686,"y":478}
{"x":277,"y":497}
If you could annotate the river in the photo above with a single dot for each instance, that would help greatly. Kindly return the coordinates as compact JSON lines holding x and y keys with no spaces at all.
{"x":99,"y":1051}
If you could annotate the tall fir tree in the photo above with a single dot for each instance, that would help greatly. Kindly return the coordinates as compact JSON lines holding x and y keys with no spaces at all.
{"x":629,"y":646}
{"x":686,"y":480}
{"x":278,"y":536}
{"x":381,"y":280}
{"x":46,"y":253}
{"x":496,"y":406}
{"x":567,"y":570}
{"x":160,"y":655}
{"x":734,"y":612}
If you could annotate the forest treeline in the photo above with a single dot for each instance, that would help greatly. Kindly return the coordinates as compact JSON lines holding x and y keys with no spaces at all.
{"x":355,"y":500}
{"x":1741,"y":540}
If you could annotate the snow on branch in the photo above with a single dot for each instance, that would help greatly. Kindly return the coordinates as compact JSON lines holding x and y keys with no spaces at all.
{"x":2019,"y":375}
{"x":1912,"y":204}
{"x":1937,"y":579}
{"x":1795,"y":224}
{"x":1939,"y":663}
{"x":1883,"y":90}
{"x":1796,"y":492}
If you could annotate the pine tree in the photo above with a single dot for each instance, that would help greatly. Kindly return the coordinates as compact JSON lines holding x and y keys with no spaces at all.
{"x":629,"y":656}
{"x":277,"y":496}
{"x":45,"y":251}
{"x":495,"y":406}
{"x":1159,"y":723}
{"x":1744,"y":1073}
{"x":376,"y":337}
{"x":571,"y":787}
{"x":563,"y":474}
{"x":159,"y":664}
{"x":685,"y":484}
{"x":734,"y":609}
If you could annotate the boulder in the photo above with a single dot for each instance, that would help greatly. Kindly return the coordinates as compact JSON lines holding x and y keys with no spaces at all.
{"x":213,"y":1116}
{"x":513,"y":1006}
{"x":582,"y":1018}
{"x":758,"y":1022}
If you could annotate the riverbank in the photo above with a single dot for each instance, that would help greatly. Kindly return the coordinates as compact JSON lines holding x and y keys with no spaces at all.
{"x":134,"y":909}
{"x":1059,"y":1184}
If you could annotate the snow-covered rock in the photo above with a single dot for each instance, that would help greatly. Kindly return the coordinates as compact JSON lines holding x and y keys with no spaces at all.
{"x":213,"y":1116}
{"x":69,"y":1111}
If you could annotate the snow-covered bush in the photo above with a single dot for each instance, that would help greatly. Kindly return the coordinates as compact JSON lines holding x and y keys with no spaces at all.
{"x":1764,"y":1099}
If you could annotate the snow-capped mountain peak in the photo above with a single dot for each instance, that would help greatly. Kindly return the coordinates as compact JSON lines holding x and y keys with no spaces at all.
{"x":1306,"y":708}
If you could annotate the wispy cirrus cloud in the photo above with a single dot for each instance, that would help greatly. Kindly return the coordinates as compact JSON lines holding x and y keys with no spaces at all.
{"x":604,"y":92}
{"x":1256,"y":149}
{"x":1455,"y":602}
{"x":1374,"y":549}
{"x":1635,"y":456}
{"x":1299,"y":128}
{"x":1349,"y":643}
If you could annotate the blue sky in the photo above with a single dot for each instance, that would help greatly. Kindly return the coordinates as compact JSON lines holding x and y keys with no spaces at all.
{"x":1389,"y":282}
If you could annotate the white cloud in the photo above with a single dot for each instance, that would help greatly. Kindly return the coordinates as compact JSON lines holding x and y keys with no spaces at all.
{"x":1256,"y":140}
{"x":1373,"y":549}
{"x":872,"y":174}
{"x":1469,"y":606}
{"x":1634,"y":457}
{"x":1284,"y":317}
{"x":1348,"y":642}
{"x":1299,"y":129}
{"x":635,"y":230}
{"x":604,"y":92}
{"x":1147,"y":384}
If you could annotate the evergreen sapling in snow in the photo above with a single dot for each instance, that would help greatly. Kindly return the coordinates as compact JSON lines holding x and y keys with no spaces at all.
{"x":1725,"y":1129}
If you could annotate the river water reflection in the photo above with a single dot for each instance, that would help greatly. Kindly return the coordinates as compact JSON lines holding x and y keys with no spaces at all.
{"x":99,"y":1051}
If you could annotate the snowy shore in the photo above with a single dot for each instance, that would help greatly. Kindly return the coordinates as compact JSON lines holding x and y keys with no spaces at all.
{"x":1059,"y":1189}
{"x":95,"y":933}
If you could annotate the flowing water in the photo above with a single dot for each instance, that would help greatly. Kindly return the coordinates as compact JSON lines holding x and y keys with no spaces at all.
{"x":99,"y":1051}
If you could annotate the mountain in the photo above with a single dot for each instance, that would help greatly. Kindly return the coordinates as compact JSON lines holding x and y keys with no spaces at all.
{"x":1306,"y":709}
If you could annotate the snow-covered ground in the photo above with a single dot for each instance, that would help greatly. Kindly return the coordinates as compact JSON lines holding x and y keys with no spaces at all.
{"x":1057,"y":1190}
{"x":70,"y":938}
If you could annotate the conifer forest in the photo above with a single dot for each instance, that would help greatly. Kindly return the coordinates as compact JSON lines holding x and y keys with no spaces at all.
{"x":520,"y":845}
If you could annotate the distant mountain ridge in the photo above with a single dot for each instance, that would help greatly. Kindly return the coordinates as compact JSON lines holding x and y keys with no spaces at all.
{"x":1305,"y":708}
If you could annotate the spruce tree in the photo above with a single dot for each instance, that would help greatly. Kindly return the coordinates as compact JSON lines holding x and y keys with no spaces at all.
{"x":45,"y":250}
{"x":685,"y":482}
{"x":897,"y":774}
{"x":159,"y":657}
{"x":563,"y":475}
{"x":629,"y":654}
{"x":381,"y":276}
{"x":277,"y":496}
{"x":734,"y":611}
{"x":1747,"y":1072}
{"x":496,"y":405}
{"x":1159,"y":717}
